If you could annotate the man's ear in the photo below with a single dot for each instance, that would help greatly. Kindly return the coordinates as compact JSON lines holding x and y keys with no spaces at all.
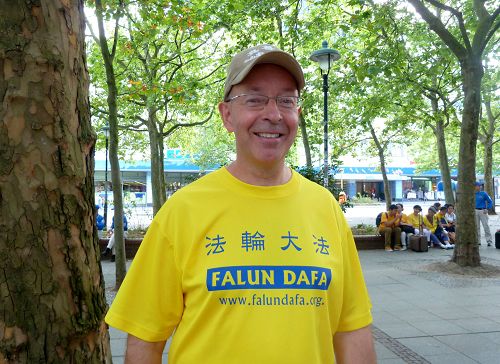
{"x":225,"y":114}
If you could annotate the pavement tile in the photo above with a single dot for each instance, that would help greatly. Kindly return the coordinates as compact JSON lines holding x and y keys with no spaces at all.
{"x":493,"y":336}
{"x":477,"y":324}
{"x":481,"y":310}
{"x":439,"y":327}
{"x":118,"y":346}
{"x":118,"y":359}
{"x":401,"y":330}
{"x":454,"y":313}
{"x":470,"y":344}
{"x":383,"y":318}
{"x":487,"y":357}
{"x":453,"y":358}
{"x":117,"y":334}
{"x":426,"y":346}
{"x":495,"y":318}
{"x":411,"y":314}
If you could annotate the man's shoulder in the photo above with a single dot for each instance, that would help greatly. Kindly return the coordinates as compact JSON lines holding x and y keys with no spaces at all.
{"x":203,"y":184}
{"x":311,"y":186}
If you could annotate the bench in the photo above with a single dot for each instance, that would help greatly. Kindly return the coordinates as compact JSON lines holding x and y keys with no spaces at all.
{"x":369,"y":242}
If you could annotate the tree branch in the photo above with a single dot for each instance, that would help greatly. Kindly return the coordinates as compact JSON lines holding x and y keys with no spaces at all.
{"x":438,"y":27}
{"x":179,"y":125}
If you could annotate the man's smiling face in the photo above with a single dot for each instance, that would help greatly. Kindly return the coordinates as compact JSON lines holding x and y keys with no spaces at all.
{"x":263,"y":136}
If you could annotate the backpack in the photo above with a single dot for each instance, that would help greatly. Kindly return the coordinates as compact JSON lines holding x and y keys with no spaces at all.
{"x":378,"y":219}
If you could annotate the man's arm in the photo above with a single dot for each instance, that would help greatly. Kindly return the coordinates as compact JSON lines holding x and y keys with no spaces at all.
{"x":355,"y":347}
{"x":489,"y":201}
{"x":140,"y":351}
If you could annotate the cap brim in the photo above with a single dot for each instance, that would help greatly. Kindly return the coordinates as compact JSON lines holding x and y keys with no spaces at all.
{"x":278,"y":58}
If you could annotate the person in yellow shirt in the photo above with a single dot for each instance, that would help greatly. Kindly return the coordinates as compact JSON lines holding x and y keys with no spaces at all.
{"x":390,"y":229}
{"x":252,"y":263}
{"x":416,"y":219}
{"x":406,"y":226}
{"x":434,"y":232}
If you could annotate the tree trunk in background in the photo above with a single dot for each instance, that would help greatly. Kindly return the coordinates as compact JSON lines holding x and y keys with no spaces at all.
{"x":51,"y":285}
{"x":488,"y":174}
{"x":116,"y":177}
{"x":438,"y":129}
{"x":488,"y":141}
{"x":305,"y":140}
{"x":156,"y":165}
{"x":443,"y":162}
{"x":383,"y":170}
{"x":466,"y":252}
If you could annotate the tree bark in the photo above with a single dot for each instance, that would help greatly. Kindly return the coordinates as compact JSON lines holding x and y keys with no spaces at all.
{"x":51,"y":285}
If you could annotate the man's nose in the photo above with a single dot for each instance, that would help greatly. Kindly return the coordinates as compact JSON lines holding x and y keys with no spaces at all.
{"x":272,"y":110}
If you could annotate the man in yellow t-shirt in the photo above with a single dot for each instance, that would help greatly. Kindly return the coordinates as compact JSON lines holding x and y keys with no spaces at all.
{"x":390,"y":229}
{"x":252,"y":263}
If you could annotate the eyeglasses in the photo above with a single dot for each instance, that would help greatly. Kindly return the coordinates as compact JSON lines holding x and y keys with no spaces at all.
{"x":258,"y":102}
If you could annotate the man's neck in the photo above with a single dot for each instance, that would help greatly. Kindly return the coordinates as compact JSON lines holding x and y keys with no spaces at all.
{"x":264,"y":176}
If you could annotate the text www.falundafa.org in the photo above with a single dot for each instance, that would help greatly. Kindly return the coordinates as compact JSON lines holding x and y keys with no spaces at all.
{"x":271,"y":300}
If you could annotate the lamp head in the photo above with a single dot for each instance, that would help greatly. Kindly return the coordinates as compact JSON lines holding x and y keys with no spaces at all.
{"x":325,"y":56}
{"x":105,"y":130}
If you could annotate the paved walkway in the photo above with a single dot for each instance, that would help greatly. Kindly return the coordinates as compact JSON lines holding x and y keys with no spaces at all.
{"x":419,"y":316}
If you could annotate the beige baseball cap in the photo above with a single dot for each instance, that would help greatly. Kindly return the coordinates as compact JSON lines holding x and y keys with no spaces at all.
{"x":244,"y":61}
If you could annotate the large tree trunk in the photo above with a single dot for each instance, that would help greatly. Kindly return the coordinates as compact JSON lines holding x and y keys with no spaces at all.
{"x":51,"y":286}
{"x":116,"y":178}
{"x":466,"y":252}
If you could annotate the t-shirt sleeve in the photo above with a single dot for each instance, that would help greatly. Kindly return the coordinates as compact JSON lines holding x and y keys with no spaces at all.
{"x":356,"y":304}
{"x":404,"y":219}
{"x":383,"y":219}
{"x":149,"y":303}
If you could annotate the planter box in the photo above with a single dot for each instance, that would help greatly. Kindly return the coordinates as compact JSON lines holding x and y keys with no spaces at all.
{"x":369,"y":242}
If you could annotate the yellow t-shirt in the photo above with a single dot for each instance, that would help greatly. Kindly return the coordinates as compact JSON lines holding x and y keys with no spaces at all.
{"x":245,"y":274}
{"x":431,"y":226}
{"x":384,"y":218}
{"x":415,"y":220}
{"x":404,"y":218}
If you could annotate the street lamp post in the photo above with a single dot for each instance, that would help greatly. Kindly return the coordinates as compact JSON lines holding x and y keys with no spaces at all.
{"x":105,"y":129}
{"x":325,"y":56}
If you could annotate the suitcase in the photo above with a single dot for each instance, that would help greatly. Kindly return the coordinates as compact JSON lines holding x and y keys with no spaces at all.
{"x":497,"y":239}
{"x":418,"y":243}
